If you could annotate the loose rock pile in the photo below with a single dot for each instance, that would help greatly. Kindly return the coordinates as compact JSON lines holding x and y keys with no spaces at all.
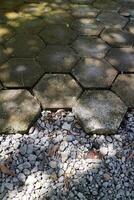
{"x":58,"y":160}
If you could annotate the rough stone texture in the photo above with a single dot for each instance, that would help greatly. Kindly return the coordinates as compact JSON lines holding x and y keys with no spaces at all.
{"x":25,"y":45}
{"x":28,"y":24}
{"x":124,"y":87}
{"x":52,"y":36}
{"x":106,"y":5}
{"x":57,"y":91}
{"x":58,"y":16}
{"x":122,"y":59}
{"x":100,"y":112}
{"x":112,"y":19}
{"x":83,"y":11}
{"x":94,"y":73}
{"x":130,"y":25}
{"x":20,"y":72}
{"x":127,"y":8}
{"x":85,"y":26}
{"x":57,"y":34}
{"x":89,"y":46}
{"x":17,"y":110}
{"x":117,"y":37}
{"x":57,"y":58}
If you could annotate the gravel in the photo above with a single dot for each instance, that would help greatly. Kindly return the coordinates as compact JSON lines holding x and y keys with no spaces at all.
{"x":58,"y":160}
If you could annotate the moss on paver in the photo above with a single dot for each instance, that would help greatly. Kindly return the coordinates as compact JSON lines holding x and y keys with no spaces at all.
{"x":20,"y":72}
{"x":69,"y":40}
{"x":57,"y":91}
{"x":25,"y":45}
{"x":56,"y":58}
{"x":18,"y":109}
{"x":57,"y":34}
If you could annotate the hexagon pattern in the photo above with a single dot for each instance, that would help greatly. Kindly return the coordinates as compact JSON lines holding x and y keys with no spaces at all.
{"x":90,"y":46}
{"x":94,"y":73}
{"x":60,"y":49}
{"x":20,"y":72}
{"x":57,"y":91}
{"x":17,"y":110}
{"x":100,"y":111}
{"x":124,"y":87}
{"x":122,"y":59}
{"x":57,"y":58}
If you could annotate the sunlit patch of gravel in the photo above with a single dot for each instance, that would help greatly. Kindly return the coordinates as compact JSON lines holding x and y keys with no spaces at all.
{"x":58,"y":160}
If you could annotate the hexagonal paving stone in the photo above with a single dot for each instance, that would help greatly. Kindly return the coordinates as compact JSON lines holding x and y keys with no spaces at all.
{"x":122,"y":59}
{"x":124,"y":87}
{"x":127,"y":9}
{"x":27,"y":24}
{"x":94,"y":73}
{"x":117,"y":37}
{"x":25,"y":45}
{"x":57,"y":59}
{"x":83,"y":11}
{"x":57,"y":34}
{"x":112,"y":19}
{"x":20,"y":72}
{"x":87,"y":26}
{"x":130,"y":25}
{"x":5,"y":33}
{"x":3,"y":54}
{"x":18,"y":109}
{"x":57,"y":91}
{"x":106,"y":4}
{"x":100,"y":112}
{"x":58,"y":16}
{"x":89,"y":46}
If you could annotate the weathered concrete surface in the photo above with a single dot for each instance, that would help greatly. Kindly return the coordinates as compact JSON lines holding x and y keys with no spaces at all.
{"x":122,"y":59}
{"x":57,"y":34}
{"x":85,"y":26}
{"x":20,"y":72}
{"x":112,"y":19}
{"x":124,"y":87}
{"x":117,"y":37}
{"x":59,"y":48}
{"x":25,"y":45}
{"x":100,"y":112}
{"x":90,"y":46}
{"x":18,"y":109}
{"x":57,"y":58}
{"x":57,"y":91}
{"x":91,"y":73}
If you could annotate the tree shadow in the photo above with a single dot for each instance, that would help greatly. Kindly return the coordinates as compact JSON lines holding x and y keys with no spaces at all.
{"x":87,"y":182}
{"x":29,"y":19}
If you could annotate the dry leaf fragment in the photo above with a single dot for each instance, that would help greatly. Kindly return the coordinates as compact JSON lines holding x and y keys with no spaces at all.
{"x":93,"y":154}
{"x":107,"y":177}
{"x":131,"y":155}
{"x":5,"y":169}
{"x":60,"y":112}
{"x":53,"y":150}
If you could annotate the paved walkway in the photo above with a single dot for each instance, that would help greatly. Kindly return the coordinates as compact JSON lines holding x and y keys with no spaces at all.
{"x":66,"y":54}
